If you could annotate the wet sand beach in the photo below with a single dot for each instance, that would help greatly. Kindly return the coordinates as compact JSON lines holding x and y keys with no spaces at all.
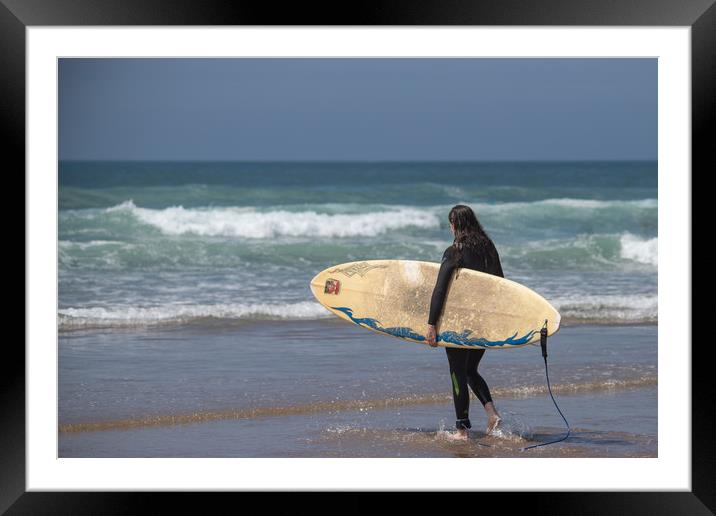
{"x":325,"y":388}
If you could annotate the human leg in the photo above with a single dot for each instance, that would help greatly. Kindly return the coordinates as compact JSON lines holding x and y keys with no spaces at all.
{"x":482,"y":391}
{"x":457,"y":359}
{"x":475,"y":380}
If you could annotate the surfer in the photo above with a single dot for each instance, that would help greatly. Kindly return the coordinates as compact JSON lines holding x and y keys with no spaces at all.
{"x":473,"y":249}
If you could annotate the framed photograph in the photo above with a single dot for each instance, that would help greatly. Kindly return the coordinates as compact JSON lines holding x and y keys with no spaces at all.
{"x":188,"y":172}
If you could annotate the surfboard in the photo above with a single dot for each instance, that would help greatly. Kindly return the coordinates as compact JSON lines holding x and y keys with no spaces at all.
{"x":392,"y":297}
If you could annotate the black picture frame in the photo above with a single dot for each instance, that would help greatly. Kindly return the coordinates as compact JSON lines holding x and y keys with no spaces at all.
{"x":17,"y":15}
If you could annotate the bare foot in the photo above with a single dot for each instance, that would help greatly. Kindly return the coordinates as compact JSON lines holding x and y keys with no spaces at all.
{"x":460,"y":435}
{"x":493,"y":422}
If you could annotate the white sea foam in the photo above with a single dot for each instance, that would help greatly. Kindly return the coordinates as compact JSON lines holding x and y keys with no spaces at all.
{"x":131,"y":316}
{"x":588,"y":204}
{"x":640,"y":250}
{"x":86,"y":245}
{"x":608,"y":308}
{"x":588,"y":250}
{"x":249,"y":223}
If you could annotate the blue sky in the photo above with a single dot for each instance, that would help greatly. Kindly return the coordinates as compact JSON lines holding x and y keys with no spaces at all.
{"x":358,"y":109}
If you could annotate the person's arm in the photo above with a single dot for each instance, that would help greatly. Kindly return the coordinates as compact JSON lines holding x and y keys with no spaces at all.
{"x":447,"y":266}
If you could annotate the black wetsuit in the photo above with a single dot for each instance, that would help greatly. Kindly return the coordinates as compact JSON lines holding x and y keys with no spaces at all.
{"x":463,"y":362}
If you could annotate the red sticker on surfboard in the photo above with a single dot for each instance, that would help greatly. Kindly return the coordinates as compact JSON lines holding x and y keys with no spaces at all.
{"x":333,"y":286}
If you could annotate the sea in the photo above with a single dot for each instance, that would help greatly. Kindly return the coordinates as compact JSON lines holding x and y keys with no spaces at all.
{"x":187,"y":327}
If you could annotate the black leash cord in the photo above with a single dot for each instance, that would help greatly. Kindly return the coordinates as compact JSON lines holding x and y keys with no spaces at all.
{"x":543,"y":343}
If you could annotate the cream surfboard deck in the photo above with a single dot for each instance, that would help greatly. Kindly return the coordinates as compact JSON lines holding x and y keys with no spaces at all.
{"x":392,"y":297}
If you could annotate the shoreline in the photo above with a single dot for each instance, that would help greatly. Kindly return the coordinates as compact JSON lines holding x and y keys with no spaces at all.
{"x":334,"y":406}
{"x":421,"y":431}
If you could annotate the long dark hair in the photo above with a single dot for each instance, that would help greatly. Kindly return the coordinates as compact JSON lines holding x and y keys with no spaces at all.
{"x":469,"y":233}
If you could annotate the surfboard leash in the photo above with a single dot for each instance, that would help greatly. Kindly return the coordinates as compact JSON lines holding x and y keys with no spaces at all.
{"x":543,"y":345}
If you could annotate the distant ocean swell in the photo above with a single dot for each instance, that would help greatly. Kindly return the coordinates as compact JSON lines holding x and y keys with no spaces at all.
{"x":160,"y":185}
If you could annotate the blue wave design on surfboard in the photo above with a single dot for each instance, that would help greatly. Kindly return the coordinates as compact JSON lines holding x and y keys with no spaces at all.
{"x":463,"y":338}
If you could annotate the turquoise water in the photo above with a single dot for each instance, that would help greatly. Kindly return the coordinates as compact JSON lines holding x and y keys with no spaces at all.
{"x":160,"y":243}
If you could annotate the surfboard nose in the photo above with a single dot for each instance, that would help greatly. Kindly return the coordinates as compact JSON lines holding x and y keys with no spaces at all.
{"x":316,"y":284}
